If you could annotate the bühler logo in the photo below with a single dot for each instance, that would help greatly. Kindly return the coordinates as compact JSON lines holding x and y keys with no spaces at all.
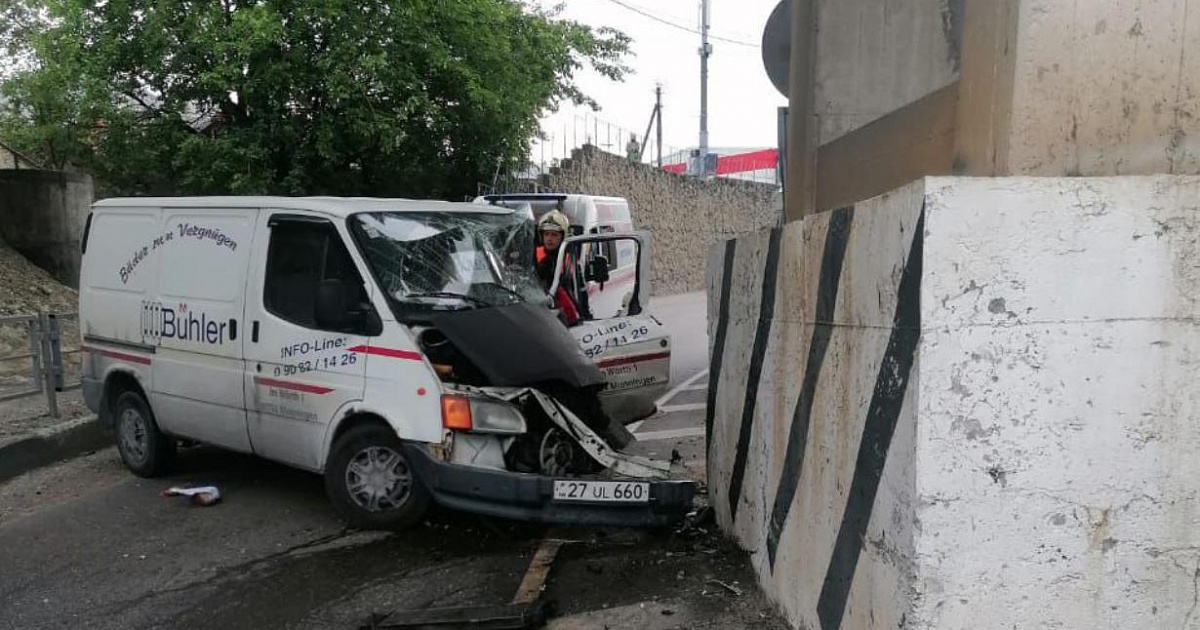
{"x":180,"y":323}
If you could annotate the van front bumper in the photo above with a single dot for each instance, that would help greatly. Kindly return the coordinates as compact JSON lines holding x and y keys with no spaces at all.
{"x":529,"y":497}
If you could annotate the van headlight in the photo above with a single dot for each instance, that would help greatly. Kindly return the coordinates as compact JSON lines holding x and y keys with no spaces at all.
{"x":481,"y":415}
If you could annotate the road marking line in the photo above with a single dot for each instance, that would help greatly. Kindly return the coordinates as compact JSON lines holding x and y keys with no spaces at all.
{"x":671,"y":434}
{"x":700,"y":387}
{"x":687,"y":407}
{"x":682,"y":386}
{"x":633,"y":427}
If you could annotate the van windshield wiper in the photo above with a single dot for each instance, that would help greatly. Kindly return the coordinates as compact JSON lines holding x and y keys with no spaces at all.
{"x":512,"y":292}
{"x":450,"y":295}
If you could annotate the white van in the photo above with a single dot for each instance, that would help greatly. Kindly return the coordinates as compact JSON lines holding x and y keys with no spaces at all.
{"x":589,"y":214}
{"x":402,"y":348}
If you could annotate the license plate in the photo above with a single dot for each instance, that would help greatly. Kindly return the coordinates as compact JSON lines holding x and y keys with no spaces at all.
{"x":602,"y":491}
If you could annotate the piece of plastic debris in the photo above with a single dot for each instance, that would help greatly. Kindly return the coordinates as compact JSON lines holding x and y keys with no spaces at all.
{"x":693,"y":524}
{"x":201,"y":495}
{"x":732,"y":589}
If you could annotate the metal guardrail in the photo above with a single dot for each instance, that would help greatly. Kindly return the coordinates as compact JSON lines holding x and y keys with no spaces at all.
{"x":47,"y":372}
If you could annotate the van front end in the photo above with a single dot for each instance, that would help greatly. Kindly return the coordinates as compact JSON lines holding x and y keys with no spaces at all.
{"x":545,"y":499}
{"x":518,"y":453}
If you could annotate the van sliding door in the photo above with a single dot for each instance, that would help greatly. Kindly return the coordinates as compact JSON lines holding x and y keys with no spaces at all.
{"x":195,"y":320}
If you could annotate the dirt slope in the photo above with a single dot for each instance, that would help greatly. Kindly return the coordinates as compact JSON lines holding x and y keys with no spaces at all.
{"x":26,"y":289}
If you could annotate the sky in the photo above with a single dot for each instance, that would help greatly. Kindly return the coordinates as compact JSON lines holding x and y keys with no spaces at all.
{"x":742,"y":101}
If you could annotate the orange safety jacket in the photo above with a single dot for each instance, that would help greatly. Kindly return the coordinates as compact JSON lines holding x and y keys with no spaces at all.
{"x":561,"y":298}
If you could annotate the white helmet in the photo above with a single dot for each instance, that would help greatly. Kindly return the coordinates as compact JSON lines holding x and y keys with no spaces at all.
{"x":554,"y":220}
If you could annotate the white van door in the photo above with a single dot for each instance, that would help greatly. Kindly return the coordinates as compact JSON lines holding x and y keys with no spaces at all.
{"x":308,"y":315}
{"x":628,"y":344}
{"x":195,"y":320}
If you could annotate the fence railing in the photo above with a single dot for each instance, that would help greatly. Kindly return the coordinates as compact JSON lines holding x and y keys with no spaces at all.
{"x":51,"y":367}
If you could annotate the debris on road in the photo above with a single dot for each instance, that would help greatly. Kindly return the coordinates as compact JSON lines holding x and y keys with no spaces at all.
{"x":203,"y":495}
{"x":729,"y":587}
{"x":696,"y":520}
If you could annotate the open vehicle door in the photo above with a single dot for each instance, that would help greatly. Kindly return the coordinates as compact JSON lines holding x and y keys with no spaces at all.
{"x":607,"y":276}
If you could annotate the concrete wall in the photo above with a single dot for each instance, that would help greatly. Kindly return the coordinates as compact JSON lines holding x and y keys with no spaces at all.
{"x":684,"y":215}
{"x":988,"y":87}
{"x":853,"y":63}
{"x":876,"y":56}
{"x":788,"y":473}
{"x":1111,"y":87}
{"x":932,"y":412}
{"x":42,"y":215}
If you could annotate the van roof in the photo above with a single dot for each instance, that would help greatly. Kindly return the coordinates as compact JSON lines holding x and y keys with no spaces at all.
{"x":340,"y":207}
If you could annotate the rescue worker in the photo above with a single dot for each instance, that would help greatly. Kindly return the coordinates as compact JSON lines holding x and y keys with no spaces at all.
{"x":553,"y":229}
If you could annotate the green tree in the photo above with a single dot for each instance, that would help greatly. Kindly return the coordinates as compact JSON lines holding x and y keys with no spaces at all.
{"x":365,"y":97}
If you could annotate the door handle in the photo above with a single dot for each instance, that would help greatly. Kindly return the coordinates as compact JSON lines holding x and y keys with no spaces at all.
{"x":232,"y":329}
{"x":254,"y":331}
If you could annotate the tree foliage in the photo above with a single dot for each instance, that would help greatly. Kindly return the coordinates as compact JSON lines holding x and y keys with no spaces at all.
{"x":415,"y":98}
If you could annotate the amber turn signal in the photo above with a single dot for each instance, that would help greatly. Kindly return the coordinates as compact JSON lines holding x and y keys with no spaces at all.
{"x":456,"y":413}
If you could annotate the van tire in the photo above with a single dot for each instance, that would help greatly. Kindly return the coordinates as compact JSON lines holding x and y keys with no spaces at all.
{"x":371,"y":458}
{"x":145,"y":450}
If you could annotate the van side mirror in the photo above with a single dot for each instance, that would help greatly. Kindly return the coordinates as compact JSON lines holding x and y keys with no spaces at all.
{"x":597,"y":269}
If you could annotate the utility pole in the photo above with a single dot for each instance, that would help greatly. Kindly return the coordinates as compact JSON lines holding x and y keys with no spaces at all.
{"x":658,"y":114}
{"x":655,"y":119}
{"x":705,"y":52}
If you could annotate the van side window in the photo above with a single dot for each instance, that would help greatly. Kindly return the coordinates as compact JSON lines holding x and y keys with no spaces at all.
{"x":301,"y":254}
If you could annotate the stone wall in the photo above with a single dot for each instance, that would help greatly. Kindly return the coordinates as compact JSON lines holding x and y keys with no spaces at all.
{"x":42,"y":215}
{"x":684,"y":215}
{"x":967,"y":403}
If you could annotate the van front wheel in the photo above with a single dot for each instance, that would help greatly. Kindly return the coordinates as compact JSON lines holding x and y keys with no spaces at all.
{"x":146,"y":451}
{"x":370,"y":482}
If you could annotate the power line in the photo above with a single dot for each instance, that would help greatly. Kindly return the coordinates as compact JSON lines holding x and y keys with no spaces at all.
{"x":681,"y":27}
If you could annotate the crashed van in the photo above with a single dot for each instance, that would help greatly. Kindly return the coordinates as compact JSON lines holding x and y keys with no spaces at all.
{"x":403,"y":349}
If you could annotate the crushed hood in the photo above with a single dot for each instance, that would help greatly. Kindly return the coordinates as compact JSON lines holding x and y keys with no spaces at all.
{"x":518,"y":345}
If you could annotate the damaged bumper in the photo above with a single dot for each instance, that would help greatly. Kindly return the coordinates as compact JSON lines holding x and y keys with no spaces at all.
{"x":529,"y":497}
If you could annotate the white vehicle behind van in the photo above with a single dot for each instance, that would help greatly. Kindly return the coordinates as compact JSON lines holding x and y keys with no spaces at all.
{"x":589,"y":214}
{"x":400,"y":348}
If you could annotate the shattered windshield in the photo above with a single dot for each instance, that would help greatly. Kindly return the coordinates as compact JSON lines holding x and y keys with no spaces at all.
{"x":442,"y":260}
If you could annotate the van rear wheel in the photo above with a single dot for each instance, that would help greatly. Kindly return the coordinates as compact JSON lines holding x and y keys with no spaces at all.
{"x":370,"y":482}
{"x":146,"y":451}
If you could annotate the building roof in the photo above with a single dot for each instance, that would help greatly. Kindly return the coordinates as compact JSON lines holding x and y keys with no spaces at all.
{"x":334,"y":206}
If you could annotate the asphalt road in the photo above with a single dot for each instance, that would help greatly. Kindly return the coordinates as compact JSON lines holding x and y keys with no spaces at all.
{"x":86,"y":544}
{"x":678,"y":427}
